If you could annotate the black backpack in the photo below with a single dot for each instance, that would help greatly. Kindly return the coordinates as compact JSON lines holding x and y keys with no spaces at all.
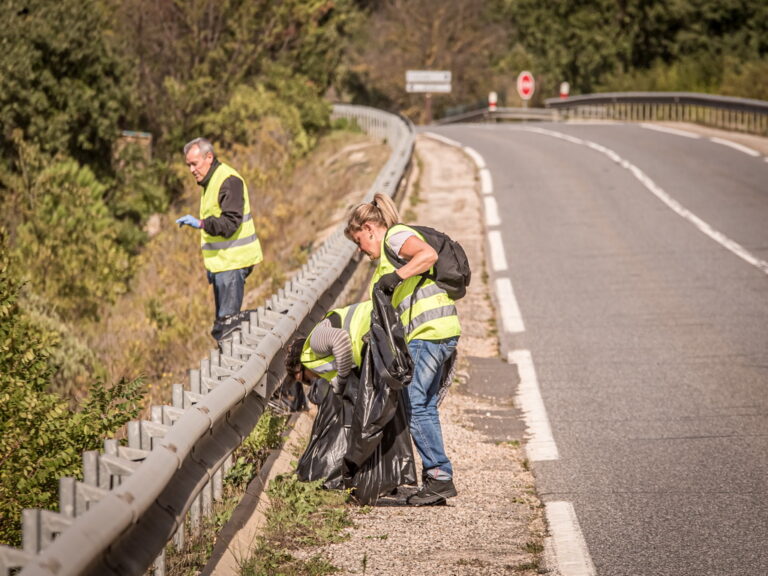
{"x":451,"y":271}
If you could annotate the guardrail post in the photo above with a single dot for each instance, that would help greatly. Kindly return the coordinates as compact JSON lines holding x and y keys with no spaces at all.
{"x":30,"y":530}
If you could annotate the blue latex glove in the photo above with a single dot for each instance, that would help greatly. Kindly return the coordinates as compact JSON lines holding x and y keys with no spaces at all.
{"x":189,"y":220}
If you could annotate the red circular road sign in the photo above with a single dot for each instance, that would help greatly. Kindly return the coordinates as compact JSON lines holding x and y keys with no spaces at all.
{"x":525,"y":85}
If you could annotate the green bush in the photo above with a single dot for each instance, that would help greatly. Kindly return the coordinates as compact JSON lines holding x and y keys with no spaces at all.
{"x":242,"y":120}
{"x":60,"y":82}
{"x":70,"y":243}
{"x":41,"y":438}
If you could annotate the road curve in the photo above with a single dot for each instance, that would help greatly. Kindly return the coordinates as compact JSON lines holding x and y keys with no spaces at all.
{"x":636,"y":259}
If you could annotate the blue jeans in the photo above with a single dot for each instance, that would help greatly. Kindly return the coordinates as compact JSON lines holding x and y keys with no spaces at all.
{"x":421,"y":401}
{"x":228,"y":289}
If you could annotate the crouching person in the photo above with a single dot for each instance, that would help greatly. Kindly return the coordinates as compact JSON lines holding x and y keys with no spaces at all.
{"x":327,"y":361}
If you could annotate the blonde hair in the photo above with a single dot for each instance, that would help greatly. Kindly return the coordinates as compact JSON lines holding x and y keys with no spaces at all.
{"x":381,"y":211}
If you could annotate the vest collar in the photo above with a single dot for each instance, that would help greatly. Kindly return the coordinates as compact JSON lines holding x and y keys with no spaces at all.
{"x":215,"y":164}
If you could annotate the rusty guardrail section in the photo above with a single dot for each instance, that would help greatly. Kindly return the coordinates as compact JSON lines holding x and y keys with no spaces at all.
{"x":135,"y":498}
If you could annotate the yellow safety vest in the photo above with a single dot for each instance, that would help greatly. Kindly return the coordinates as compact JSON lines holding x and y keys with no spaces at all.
{"x":356,"y":320}
{"x":430,"y":314}
{"x":240,"y":250}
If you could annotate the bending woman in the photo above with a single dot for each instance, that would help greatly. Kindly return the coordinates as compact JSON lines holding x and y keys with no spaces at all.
{"x":431,"y":325}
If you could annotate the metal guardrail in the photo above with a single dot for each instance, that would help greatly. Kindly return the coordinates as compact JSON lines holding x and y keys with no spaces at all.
{"x":738,"y":114}
{"x":135,"y":498}
{"x":486,"y":115}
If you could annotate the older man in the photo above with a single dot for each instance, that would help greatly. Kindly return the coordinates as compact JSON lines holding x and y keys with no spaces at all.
{"x":227,"y":232}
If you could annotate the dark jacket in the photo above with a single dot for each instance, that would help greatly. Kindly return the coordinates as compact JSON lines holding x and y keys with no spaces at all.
{"x":231,"y":202}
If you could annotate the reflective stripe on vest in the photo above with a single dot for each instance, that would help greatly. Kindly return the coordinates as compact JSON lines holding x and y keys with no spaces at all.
{"x":232,"y":243}
{"x":426,"y":311}
{"x":413,"y":316}
{"x":240,"y":250}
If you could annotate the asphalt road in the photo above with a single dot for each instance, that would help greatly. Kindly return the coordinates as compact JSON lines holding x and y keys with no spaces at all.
{"x":649,"y":336}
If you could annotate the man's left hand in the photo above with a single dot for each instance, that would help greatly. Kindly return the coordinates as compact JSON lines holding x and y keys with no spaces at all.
{"x":189,"y":220}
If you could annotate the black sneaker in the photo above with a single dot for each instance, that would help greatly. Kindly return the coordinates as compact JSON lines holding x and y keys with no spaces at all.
{"x":433,"y":493}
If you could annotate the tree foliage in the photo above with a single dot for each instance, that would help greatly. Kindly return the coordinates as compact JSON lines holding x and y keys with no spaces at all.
{"x":190,"y":57}
{"x":78,"y":80}
{"x":460,"y":36}
{"x":41,"y":438}
{"x":69,"y":236}
{"x":715,"y":46}
{"x":59,"y":81}
{"x":639,"y":44}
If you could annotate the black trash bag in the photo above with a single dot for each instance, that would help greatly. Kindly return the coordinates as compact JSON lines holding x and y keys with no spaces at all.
{"x":380,"y":455}
{"x":324,"y":455}
{"x":390,"y":465}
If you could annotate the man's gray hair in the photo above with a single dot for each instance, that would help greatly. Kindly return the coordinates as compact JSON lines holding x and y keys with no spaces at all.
{"x":202,"y":144}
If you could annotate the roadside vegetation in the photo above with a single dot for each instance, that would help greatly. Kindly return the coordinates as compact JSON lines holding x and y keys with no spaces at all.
{"x":300,"y":515}
{"x":103,"y":301}
{"x":706,"y":46}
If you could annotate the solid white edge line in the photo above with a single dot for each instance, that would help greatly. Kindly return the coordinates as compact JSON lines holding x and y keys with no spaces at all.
{"x":443,"y":139}
{"x":653,"y":188}
{"x":735,"y":146}
{"x":569,"y":547}
{"x":486,"y":182}
{"x":498,"y":257}
{"x":511,"y":319}
{"x":540,"y":444}
{"x":491,"y":211}
{"x":674,"y":131}
{"x":479,"y":161}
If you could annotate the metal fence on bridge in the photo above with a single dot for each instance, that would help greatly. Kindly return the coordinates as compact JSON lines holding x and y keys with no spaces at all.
{"x":137,"y":497}
{"x":735,"y":114}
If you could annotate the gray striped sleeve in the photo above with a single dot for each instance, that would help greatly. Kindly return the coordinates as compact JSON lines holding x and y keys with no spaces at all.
{"x":326,"y":339}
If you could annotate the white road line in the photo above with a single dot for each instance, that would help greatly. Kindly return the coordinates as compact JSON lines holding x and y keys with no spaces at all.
{"x":479,"y":161}
{"x":443,"y":139}
{"x":674,"y":131}
{"x":511,"y":319}
{"x":540,"y":444}
{"x":735,"y":146}
{"x":566,"y":137}
{"x":498,"y":257}
{"x":570,"y":548}
{"x":486,"y":182}
{"x":491,"y":211}
{"x":657,"y":191}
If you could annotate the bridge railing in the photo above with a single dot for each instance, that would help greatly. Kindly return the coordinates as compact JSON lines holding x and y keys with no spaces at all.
{"x":138,"y":496}
{"x":728,"y":113}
